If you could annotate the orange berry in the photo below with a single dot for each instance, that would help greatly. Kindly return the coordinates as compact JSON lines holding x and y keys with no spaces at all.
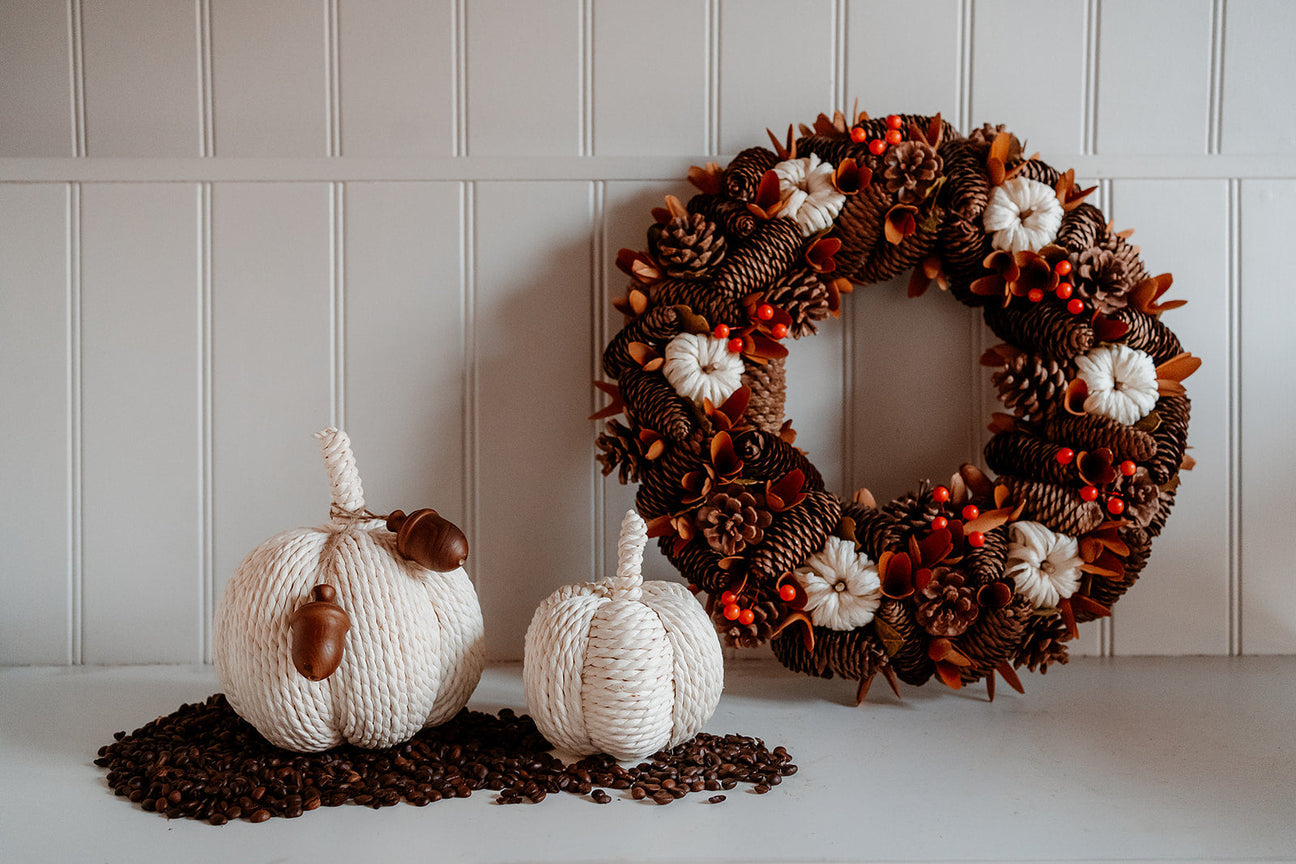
{"x":735,"y":346}
{"x":765,"y":312}
{"x":939,"y":522}
{"x":1076,"y":306}
{"x":1034,"y":295}
{"x":721,"y":331}
{"x":732,"y":611}
{"x":746,"y":617}
{"x":1063,"y":291}
{"x":1115,"y":506}
{"x":894,"y":121}
{"x":1089,"y":493}
{"x":877,"y":146}
{"x":858,"y":135}
{"x":1128,"y":468}
{"x":894,"y":137}
{"x":1065,"y":455}
{"x":728,"y":597}
{"x":778,"y":331}
{"x":940,"y":494}
{"x":970,"y":512}
{"x":976,"y":538}
{"x":1062,"y":268}
{"x":787,"y":592}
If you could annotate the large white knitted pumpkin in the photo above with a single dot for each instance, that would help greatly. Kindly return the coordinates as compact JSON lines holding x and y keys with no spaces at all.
{"x":622,"y":666}
{"x":411,"y":657}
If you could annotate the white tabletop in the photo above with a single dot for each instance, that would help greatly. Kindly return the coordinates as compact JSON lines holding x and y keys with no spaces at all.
{"x":1141,"y":758}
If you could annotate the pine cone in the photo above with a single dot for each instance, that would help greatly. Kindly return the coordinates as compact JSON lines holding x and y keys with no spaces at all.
{"x":767,"y":616}
{"x":1082,"y":228}
{"x":795,"y":535}
{"x":1091,"y":431}
{"x":1105,"y":273}
{"x":910,"y":168}
{"x":947,"y":605}
{"x":732,"y":520}
{"x":775,"y":245}
{"x":801,"y":294}
{"x":1020,"y":453}
{"x":698,"y":563}
{"x":766,"y":456}
{"x":621,"y":450}
{"x":994,"y":638}
{"x":910,"y":660}
{"x":1171,"y":437}
{"x":1030,"y":386}
{"x":654,"y":327}
{"x":1045,"y":644}
{"x":733,"y":217}
{"x":687,"y":246}
{"x":875,"y":530}
{"x":983,"y":137}
{"x":768,"y":385}
{"x":1059,"y":508}
{"x":852,"y":654}
{"x":1045,"y":329}
{"x":743,"y":175}
{"x":914,"y":511}
{"x":985,"y":563}
{"x":1147,"y":333}
{"x":1141,"y":496}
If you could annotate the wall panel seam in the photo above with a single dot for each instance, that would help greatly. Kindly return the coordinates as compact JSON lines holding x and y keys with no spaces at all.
{"x":840,"y":55}
{"x":76,"y":562}
{"x":207,"y":532}
{"x":468,"y":311}
{"x":337,"y":292}
{"x":586,"y":98}
{"x":597,"y":312}
{"x":76,"y":50}
{"x":459,"y":78}
{"x":713,"y":77}
{"x":1215,"y":127}
{"x":1235,"y":433}
{"x":1089,"y":125}
{"x":206,"y":113}
{"x":333,"y":84}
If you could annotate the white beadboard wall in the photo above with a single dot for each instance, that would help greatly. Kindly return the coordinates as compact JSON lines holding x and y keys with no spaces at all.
{"x":225,"y":224}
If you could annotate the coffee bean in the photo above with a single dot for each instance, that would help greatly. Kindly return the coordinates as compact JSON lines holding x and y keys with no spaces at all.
{"x":601,"y":797}
{"x":761,"y":788}
{"x":715,"y":799}
{"x":260,"y":816}
{"x":663,"y":797}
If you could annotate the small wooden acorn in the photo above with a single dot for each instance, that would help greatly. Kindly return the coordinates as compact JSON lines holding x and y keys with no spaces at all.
{"x":426,"y":538}
{"x":318,"y":629}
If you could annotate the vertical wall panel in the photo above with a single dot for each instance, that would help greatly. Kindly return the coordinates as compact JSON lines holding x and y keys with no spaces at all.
{"x":1183,"y":228}
{"x":1028,"y":71}
{"x":881,"y":56}
{"x":776,"y":68}
{"x":404,"y":344}
{"x":1259,"y":78}
{"x":140,"y":419}
{"x":34,"y":424}
{"x":35,"y":85}
{"x":145,"y":101}
{"x":650,"y":68}
{"x":815,"y":401}
{"x":1160,"y":107}
{"x":396,"y":67}
{"x":1268,"y":416}
{"x":269,"y":78}
{"x":524,"y":78}
{"x":271,"y":362}
{"x":534,"y":467}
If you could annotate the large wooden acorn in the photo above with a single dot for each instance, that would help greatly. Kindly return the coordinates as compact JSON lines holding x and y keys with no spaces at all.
{"x":350,"y":632}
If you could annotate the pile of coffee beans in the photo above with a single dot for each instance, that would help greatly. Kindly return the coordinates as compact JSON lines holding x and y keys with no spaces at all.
{"x":205,"y":762}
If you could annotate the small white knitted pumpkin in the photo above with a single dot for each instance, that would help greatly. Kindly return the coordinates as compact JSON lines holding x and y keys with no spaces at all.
{"x":411,"y":658}
{"x":622,"y":666}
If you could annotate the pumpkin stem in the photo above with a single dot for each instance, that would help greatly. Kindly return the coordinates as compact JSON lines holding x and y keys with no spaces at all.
{"x":628,"y":582}
{"x":348,"y":494}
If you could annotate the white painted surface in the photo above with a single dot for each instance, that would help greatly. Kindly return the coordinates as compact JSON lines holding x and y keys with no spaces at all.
{"x":309,"y":255}
{"x":1104,"y":760}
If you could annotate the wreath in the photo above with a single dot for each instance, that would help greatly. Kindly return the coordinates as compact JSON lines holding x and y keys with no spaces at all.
{"x":966,"y":580}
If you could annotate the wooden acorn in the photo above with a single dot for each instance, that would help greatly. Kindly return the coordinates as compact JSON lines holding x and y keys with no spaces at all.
{"x":318,"y":629}
{"x":426,"y":538}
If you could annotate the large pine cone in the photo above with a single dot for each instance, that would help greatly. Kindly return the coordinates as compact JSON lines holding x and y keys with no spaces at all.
{"x":801,"y":294}
{"x":1029,"y":386}
{"x":916,"y":510}
{"x":947,"y":605}
{"x":687,"y":245}
{"x":1106,"y":272}
{"x":732,"y":520}
{"x":910,"y":169}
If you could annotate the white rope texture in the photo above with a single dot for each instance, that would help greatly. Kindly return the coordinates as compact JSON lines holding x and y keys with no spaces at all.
{"x":412,"y":657}
{"x":622,"y":666}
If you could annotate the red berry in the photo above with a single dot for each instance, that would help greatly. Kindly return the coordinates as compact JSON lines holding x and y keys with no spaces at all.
{"x":728,"y":597}
{"x":894,"y":121}
{"x":858,"y":135}
{"x":778,"y":331}
{"x":1064,"y":291}
{"x":975,"y":538}
{"x":746,"y":617}
{"x":939,"y":522}
{"x":1076,"y":306}
{"x":1128,"y":468}
{"x":970,"y":512}
{"x":1089,"y":493}
{"x":721,"y":331}
{"x":940,"y":494}
{"x":1062,"y":268}
{"x":765,"y":312}
{"x":1035,"y":295}
{"x":1065,"y":455}
{"x":732,"y":611}
{"x":735,"y":346}
{"x":788,"y":592}
{"x":877,"y":146}
{"x":894,"y":137}
{"x":1115,"y":506}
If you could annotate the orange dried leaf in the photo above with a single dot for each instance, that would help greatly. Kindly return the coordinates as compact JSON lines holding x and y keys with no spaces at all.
{"x":615,"y":407}
{"x":1179,"y":367}
{"x":900,"y":223}
{"x":706,"y":179}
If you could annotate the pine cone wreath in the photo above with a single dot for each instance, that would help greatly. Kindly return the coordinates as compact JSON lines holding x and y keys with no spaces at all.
{"x":687,"y":246}
{"x":1029,"y":386}
{"x":732,"y":520}
{"x":947,"y":604}
{"x":910,"y":168}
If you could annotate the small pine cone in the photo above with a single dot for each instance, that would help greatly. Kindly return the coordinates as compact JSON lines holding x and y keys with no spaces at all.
{"x":1171,"y":438}
{"x":660,"y":491}
{"x":910,"y":168}
{"x":1091,"y":431}
{"x":768,"y":383}
{"x":875,"y":530}
{"x":766,"y":456}
{"x":687,"y":246}
{"x":1082,"y":228}
{"x":804,"y":296}
{"x":622,"y":451}
{"x":655,"y":327}
{"x":985,"y":563}
{"x":732,"y":520}
{"x":730,"y":215}
{"x":1044,"y":645}
{"x":1164,"y":503}
{"x":1058,"y":508}
{"x":1030,"y":386}
{"x":1141,"y":495}
{"x":767,"y":614}
{"x":914,"y":511}
{"x":995,"y":638}
{"x":795,"y":535}
{"x":743,"y":175}
{"x":910,"y":661}
{"x":982,"y":138}
{"x":1021,"y":454}
{"x":947,"y":604}
{"x":701,"y":297}
{"x":1148,"y":334}
{"x":698,"y":563}
{"x":656,"y":404}
{"x":1106,"y":274}
{"x":1045,"y":329}
{"x":773,"y":247}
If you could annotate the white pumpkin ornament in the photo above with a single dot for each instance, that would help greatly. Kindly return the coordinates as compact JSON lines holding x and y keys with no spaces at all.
{"x":331,"y":634}
{"x":622,"y":666}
